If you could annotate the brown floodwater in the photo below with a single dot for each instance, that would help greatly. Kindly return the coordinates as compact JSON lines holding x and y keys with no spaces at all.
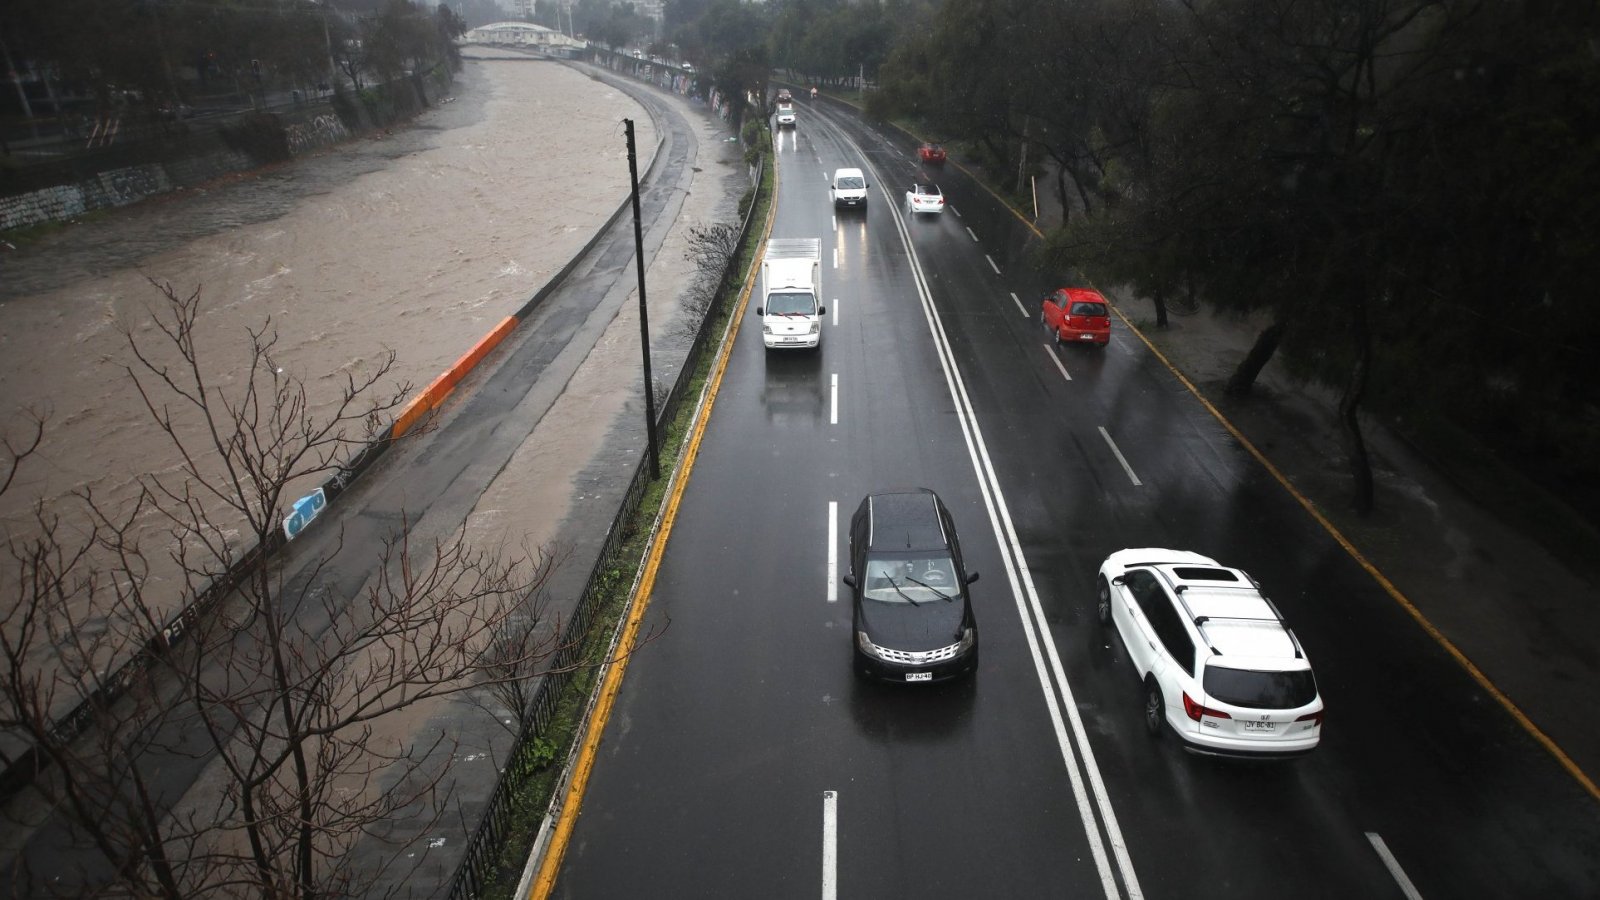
{"x":415,"y":241}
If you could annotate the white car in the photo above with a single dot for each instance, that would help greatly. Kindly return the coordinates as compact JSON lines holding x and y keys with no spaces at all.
{"x":925,"y":198}
{"x":1219,"y":666}
{"x":785,"y":115}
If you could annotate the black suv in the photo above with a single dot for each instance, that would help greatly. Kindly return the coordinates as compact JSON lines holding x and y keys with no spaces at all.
{"x":912,"y":613}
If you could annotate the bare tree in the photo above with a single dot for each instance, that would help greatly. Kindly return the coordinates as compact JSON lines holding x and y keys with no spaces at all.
{"x":250,"y":744}
{"x":712,"y":248}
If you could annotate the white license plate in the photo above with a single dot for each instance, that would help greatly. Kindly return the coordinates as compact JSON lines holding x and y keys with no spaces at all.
{"x":919,"y":676}
{"x":1259,"y":726}
{"x":1085,"y":337}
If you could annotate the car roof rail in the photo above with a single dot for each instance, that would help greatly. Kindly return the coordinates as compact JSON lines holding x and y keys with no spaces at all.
{"x":1200,"y":623}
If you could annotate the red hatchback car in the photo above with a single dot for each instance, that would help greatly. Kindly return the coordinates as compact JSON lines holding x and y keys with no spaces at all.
{"x":931,"y":153}
{"x":1077,"y":315}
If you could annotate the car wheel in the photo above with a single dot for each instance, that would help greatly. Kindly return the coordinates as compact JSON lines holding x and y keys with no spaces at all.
{"x":1155,"y":709}
{"x":1102,"y":606}
{"x":1055,"y":335}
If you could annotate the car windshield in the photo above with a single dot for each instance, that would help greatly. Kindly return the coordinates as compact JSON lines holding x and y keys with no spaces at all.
{"x":791,"y":303}
{"x":910,"y":578}
{"x":852,"y":181}
{"x":1088,"y":309}
{"x":1260,"y":690}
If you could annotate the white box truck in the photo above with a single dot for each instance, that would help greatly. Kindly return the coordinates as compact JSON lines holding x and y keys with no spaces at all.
{"x":790,"y":311}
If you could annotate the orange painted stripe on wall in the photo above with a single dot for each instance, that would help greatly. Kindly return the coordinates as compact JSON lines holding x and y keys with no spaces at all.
{"x":441,"y":387}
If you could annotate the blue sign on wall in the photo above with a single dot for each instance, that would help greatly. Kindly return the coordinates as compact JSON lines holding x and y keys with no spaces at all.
{"x":305,"y":509}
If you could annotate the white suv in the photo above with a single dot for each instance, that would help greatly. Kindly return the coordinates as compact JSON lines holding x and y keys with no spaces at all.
{"x":1218,"y":663}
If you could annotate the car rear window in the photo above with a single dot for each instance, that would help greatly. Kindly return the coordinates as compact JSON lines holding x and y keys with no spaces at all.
{"x":1260,"y":690}
{"x":1088,"y":309}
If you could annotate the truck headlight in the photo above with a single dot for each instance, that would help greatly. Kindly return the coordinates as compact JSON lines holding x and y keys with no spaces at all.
{"x":766,"y":329}
{"x":816,"y":327}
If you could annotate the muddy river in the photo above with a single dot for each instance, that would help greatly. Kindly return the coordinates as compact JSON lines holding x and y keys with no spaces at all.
{"x":415,"y":242}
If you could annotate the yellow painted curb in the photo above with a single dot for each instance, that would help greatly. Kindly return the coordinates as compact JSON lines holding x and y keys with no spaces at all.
{"x":611,"y":685}
{"x":1383,"y":581}
{"x":1405,"y":603}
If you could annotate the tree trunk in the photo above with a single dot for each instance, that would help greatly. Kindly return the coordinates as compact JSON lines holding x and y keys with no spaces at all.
{"x":1243,"y":380}
{"x":1022,"y":156}
{"x":1349,"y":409}
{"x":1160,"y":299}
{"x":1079,"y":182}
{"x":1061,"y":192}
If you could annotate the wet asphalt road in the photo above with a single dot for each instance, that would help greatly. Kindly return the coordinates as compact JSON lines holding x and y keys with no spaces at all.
{"x":1036,"y":778}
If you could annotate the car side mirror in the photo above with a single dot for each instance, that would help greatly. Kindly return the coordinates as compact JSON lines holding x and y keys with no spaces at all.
{"x":849,"y":580}
{"x":971,"y":577}
{"x":760,"y":311}
{"x":822,"y":310}
{"x":1120,"y":580}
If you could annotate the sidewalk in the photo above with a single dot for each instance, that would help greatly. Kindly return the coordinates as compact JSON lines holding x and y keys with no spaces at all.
{"x":1530,"y":623}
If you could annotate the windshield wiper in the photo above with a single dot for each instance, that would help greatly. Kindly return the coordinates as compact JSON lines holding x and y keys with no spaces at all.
{"x":942,"y":595}
{"x":896,"y":586}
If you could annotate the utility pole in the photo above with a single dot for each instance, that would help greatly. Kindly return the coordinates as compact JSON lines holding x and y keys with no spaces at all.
{"x":327,"y":41}
{"x":22,"y":93}
{"x":644,"y":312}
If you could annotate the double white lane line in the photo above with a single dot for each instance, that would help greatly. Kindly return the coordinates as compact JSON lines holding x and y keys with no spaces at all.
{"x":1041,"y":643}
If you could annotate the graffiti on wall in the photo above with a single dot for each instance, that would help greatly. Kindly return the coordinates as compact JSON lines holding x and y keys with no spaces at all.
{"x":316,"y":132}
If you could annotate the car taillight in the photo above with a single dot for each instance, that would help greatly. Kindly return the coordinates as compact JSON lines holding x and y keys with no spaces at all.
{"x":1195,"y":710}
{"x":1312,"y":717}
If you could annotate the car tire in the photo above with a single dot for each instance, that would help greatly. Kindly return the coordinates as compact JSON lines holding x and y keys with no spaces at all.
{"x":1055,"y":335}
{"x":1043,"y":322}
{"x":1102,"y":606}
{"x":1155,"y":709}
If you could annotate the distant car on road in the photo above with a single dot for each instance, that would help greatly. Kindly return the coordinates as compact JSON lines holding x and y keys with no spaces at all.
{"x":1220,"y":667}
{"x":1077,"y":316}
{"x":925,"y":198}
{"x":910,"y":606}
{"x":785,"y":115}
{"x":931,"y":153}
{"x":783,"y":95}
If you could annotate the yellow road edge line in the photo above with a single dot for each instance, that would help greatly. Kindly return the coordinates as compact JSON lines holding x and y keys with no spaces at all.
{"x":572,"y":802}
{"x":1383,"y":581}
{"x":1394,"y":592}
{"x":1428,"y":627}
{"x":1432,"y":630}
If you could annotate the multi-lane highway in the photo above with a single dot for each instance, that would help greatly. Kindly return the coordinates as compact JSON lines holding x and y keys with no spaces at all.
{"x":744,"y":759}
